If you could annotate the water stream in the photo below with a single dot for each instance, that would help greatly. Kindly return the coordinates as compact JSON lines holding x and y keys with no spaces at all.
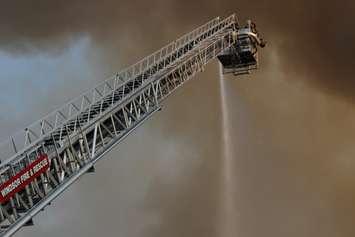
{"x":227,"y":213}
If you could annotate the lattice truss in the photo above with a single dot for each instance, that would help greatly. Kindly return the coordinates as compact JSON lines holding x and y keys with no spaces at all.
{"x":77,"y":135}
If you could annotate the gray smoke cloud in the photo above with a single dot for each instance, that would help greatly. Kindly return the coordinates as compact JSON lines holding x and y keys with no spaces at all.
{"x":315,"y":37}
{"x":292,"y":121}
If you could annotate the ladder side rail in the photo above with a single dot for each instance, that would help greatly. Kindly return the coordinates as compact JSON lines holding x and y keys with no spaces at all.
{"x":124,"y":119}
{"x":55,"y":118}
{"x":92,"y":93}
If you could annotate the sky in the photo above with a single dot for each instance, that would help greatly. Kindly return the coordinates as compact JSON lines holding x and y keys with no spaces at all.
{"x":290,"y":123}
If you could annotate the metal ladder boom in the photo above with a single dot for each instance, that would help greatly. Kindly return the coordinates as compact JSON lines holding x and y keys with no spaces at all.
{"x":80,"y":133}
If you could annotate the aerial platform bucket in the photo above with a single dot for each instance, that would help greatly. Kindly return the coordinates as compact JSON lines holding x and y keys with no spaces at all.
{"x":242,"y":56}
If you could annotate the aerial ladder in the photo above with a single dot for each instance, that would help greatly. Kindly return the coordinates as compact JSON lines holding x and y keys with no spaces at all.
{"x":44,"y":159}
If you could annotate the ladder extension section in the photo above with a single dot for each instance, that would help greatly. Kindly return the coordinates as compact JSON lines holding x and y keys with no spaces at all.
{"x":45,"y":158}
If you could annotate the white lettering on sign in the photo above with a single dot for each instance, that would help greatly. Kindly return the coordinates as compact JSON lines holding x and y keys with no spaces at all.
{"x":11,"y":187}
{"x":39,"y":166}
{"x":23,"y":178}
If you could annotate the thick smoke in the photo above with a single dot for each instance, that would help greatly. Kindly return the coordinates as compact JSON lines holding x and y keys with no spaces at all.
{"x":315,"y":38}
{"x":292,"y":130}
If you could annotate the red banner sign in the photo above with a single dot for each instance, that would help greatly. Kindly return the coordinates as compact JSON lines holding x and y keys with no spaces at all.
{"x":18,"y":182}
